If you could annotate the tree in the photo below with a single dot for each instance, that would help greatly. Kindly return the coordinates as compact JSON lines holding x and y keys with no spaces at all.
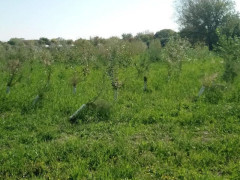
{"x":44,"y":41}
{"x":231,"y":26}
{"x":16,"y":42}
{"x":145,"y":37}
{"x":155,"y":50}
{"x":164,"y":35}
{"x":199,"y":19}
{"x":127,"y":37}
{"x":229,"y":49}
{"x":174,"y":55}
{"x":97,"y":40}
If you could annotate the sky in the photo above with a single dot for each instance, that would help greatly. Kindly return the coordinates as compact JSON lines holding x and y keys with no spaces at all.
{"x":74,"y":19}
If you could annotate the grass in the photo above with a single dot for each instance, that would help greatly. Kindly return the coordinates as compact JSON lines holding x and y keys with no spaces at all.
{"x":164,"y":133}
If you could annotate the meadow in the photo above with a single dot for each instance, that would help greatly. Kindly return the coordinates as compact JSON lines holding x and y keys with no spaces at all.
{"x":181,"y":123}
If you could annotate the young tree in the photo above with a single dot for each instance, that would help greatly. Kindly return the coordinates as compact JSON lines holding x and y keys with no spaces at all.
{"x":13,"y":68}
{"x":229,"y":49}
{"x":199,"y":19}
{"x":155,"y":50}
{"x":174,"y":55}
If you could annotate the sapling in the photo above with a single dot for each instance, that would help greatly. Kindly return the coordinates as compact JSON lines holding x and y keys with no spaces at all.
{"x":118,"y":54}
{"x":175,"y":54}
{"x":142,"y":66}
{"x":90,"y":105}
{"x":40,"y":94}
{"x":84,"y":54}
{"x":99,"y":109}
{"x":74,"y":82}
{"x":113,"y":73}
{"x":32,"y":57}
{"x":116,"y":84}
{"x":13,"y":67}
{"x":207,"y":83}
{"x":48,"y":67}
{"x":229,"y":50}
{"x":47,"y":62}
{"x":145,"y":83}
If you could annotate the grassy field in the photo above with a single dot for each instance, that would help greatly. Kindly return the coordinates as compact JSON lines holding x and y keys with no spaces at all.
{"x":167,"y":132}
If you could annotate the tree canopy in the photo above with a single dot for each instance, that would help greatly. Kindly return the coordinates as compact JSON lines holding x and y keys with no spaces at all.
{"x":199,"y":19}
{"x":164,"y":35}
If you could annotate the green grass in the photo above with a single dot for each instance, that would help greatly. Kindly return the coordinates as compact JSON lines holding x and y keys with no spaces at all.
{"x":160,"y":134}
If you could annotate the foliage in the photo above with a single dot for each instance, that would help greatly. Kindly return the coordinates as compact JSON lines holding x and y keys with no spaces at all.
{"x":128,"y":37}
{"x":229,"y":49}
{"x":175,"y":54}
{"x":44,"y":41}
{"x":231,"y":26}
{"x":155,"y":50}
{"x":161,"y":134}
{"x":199,"y":19}
{"x":145,"y":37}
{"x":165,"y":35}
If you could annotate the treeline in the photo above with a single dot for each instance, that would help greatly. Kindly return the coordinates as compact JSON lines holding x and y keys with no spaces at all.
{"x":163,"y":36}
{"x":96,"y":49}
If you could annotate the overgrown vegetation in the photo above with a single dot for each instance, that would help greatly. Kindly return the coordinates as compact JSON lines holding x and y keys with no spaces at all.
{"x":156,"y":126}
{"x":150,"y":106}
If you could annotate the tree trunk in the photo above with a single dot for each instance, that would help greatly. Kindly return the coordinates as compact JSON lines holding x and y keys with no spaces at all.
{"x":145,"y":83}
{"x":8,"y":89}
{"x":115,"y":94}
{"x":74,"y":89}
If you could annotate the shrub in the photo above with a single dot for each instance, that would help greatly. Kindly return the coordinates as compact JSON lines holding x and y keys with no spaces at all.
{"x":229,"y":49}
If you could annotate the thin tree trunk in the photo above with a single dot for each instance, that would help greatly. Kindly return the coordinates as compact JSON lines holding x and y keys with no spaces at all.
{"x":8,"y":89}
{"x":74,"y":89}
{"x":115,"y":94}
{"x":145,"y":83}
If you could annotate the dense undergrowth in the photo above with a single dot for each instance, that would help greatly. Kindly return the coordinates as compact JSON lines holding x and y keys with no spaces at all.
{"x":169,"y":131}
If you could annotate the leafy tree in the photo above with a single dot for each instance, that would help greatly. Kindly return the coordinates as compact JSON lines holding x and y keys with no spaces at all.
{"x":84,"y":54}
{"x":199,"y":19}
{"x":16,"y":41}
{"x":142,"y":64}
{"x":231,"y":26}
{"x":155,"y":50}
{"x":97,"y":40}
{"x":59,"y":42}
{"x":229,"y":49}
{"x":164,"y":35}
{"x":174,"y":54}
{"x":69,"y":42}
{"x":146,"y":37}
{"x":127,"y":37}
{"x":44,"y":41}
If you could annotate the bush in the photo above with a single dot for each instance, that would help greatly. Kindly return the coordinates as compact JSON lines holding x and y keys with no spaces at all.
{"x":229,"y":49}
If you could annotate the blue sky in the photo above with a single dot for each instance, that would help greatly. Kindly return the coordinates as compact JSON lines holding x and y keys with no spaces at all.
{"x":73,"y":19}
